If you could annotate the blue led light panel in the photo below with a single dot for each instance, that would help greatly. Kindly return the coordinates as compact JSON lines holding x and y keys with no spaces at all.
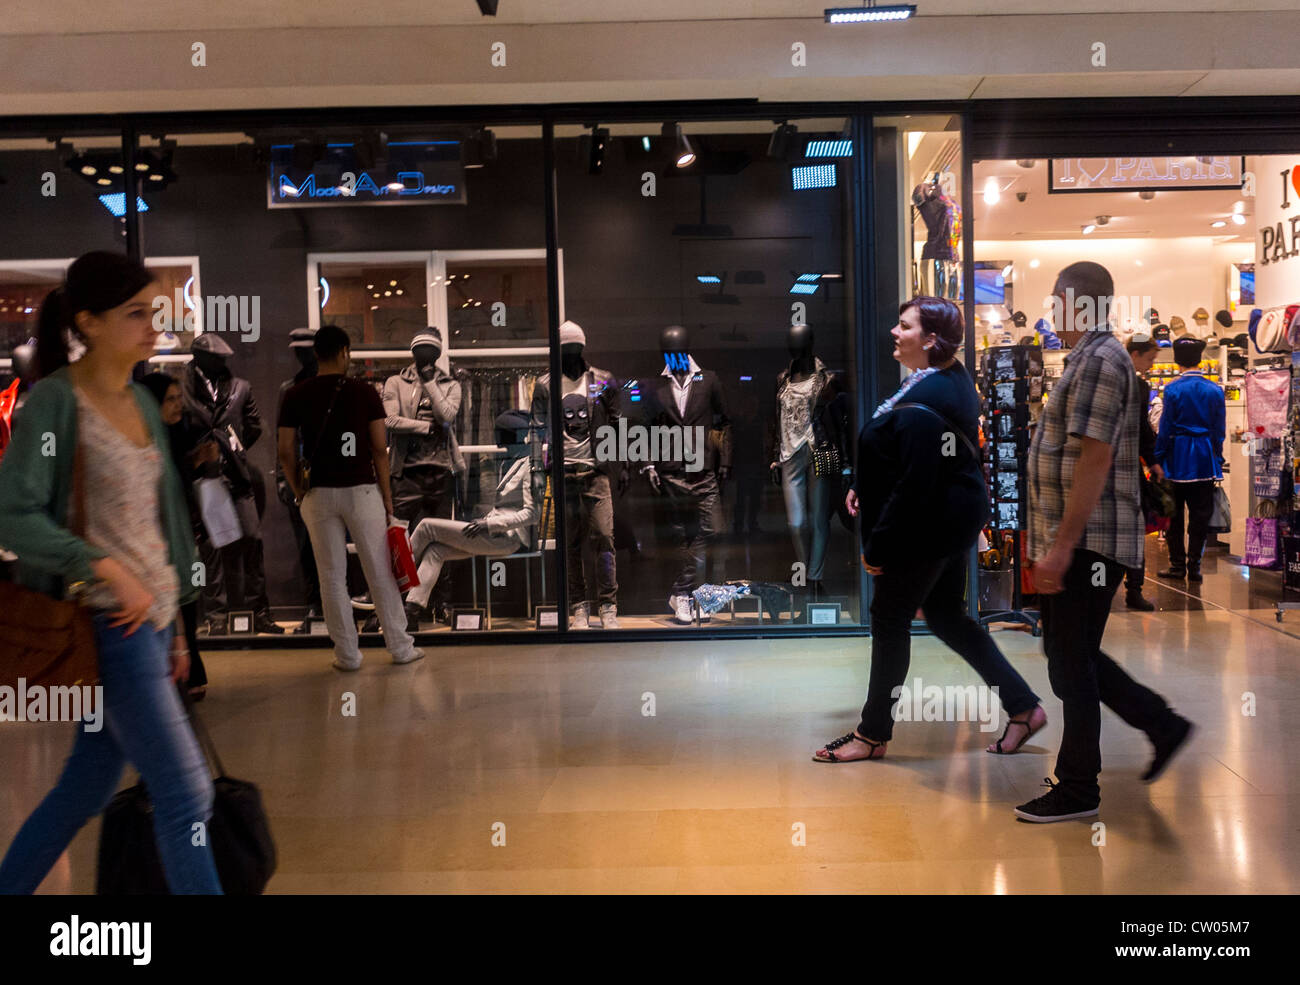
{"x":804,"y":289}
{"x":813,"y":176}
{"x":828,"y":148}
{"x":115,"y":202}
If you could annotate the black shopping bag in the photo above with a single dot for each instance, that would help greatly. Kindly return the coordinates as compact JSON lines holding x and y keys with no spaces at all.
{"x":238,"y":833}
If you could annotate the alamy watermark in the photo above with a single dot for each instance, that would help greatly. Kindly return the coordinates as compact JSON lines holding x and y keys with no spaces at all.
{"x":239,"y":314}
{"x":656,"y":443}
{"x":38,"y":703}
{"x":1090,"y":314}
{"x":950,"y":703}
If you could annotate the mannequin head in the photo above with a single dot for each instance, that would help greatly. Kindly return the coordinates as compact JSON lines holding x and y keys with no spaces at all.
{"x":512,"y":431}
{"x":426,"y":355}
{"x":675,"y":345}
{"x":573,"y":341}
{"x":25,"y":366}
{"x":923,"y":192}
{"x":800,"y":341}
{"x":210,"y":364}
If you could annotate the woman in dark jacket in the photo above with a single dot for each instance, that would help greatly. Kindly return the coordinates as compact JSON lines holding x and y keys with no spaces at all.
{"x":185,"y":451}
{"x":920,"y":490}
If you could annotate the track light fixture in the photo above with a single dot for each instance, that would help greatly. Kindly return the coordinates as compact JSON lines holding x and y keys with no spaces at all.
{"x":870,"y":13}
{"x":677,"y":145}
{"x":782,"y":143}
{"x":479,"y":149}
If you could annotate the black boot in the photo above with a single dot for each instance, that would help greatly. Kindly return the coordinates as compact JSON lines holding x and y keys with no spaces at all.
{"x":263,"y":623}
{"x":1135,"y":600}
{"x":1175,"y":572}
{"x":1194,"y":574}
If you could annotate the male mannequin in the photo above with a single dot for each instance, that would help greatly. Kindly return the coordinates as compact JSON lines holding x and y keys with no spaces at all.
{"x":219,"y":407}
{"x":300,"y":344}
{"x":590,"y":400}
{"x":422,"y":402}
{"x":690,"y":398}
{"x":805,"y":419}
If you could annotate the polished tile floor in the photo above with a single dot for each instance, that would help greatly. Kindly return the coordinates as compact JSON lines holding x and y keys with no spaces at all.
{"x":538,"y":768}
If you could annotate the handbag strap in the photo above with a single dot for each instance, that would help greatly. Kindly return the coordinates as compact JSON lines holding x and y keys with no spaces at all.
{"x":320,"y":438}
{"x":965,"y":438}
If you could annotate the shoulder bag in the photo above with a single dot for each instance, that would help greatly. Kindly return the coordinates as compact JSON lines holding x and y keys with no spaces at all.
{"x":965,"y":439}
{"x":44,"y":640}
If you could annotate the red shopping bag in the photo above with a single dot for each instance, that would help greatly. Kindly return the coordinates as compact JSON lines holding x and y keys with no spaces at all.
{"x":401,"y":559}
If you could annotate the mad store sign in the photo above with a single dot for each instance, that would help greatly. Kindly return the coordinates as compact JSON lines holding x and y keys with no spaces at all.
{"x":1277,"y":237}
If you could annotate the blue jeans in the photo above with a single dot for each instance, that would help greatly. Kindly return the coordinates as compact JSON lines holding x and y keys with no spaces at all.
{"x":144,"y":723}
{"x":807,"y":510}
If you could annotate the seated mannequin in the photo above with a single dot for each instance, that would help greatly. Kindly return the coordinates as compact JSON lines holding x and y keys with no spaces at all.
{"x":506,"y":529}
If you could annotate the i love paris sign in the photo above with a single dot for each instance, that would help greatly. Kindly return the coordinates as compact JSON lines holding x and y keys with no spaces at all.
{"x":1134,"y":174}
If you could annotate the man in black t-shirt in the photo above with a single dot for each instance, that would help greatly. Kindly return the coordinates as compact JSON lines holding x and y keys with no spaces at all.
{"x":341,"y":423}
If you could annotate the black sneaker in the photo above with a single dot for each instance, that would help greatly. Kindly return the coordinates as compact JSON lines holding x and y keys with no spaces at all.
{"x":1166,"y":745}
{"x":1136,"y":601}
{"x":1055,"y":805}
{"x":263,"y":623}
{"x":371,"y":625}
{"x":414,"y":613}
{"x":1174,"y":573}
{"x":1194,"y":575}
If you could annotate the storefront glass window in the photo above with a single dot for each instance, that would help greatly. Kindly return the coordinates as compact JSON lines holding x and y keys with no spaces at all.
{"x":710,"y":372}
{"x":425,"y":244}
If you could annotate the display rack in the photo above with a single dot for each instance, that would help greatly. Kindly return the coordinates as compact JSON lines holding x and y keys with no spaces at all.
{"x":1011,"y":383}
{"x":1288,"y":522}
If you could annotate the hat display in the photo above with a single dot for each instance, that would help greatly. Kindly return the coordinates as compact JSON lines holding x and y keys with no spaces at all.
{"x":302,"y":338}
{"x":1140,"y":335}
{"x":1161,"y":334}
{"x":1152,"y":316}
{"x":571,"y":332}
{"x":1176,"y":325}
{"x":213,"y":343}
{"x":1200,"y":314}
{"x":430,"y":336}
{"x":1020,"y":319}
{"x":1224,"y":318}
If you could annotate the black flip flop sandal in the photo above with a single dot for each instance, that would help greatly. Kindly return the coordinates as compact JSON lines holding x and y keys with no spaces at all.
{"x":844,"y":740}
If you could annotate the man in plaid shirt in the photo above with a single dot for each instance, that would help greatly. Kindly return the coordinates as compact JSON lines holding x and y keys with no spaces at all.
{"x":1085,"y":528}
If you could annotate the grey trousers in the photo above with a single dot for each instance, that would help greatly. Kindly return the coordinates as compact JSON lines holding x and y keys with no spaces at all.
{"x":437,"y":541}
{"x":807,"y":510}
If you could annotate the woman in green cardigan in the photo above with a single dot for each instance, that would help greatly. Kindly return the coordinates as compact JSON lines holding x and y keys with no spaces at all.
{"x":133,"y":568}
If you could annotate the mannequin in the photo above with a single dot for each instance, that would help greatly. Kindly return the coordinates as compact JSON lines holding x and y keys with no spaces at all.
{"x":220,"y":409}
{"x":507,"y":528}
{"x":809,"y":418}
{"x":690,"y":400}
{"x":422,"y":402}
{"x":300,"y":344}
{"x":938,"y":255}
{"x":590,"y":402}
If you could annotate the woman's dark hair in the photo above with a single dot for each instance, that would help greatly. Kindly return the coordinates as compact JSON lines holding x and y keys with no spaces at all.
{"x":329,"y":342}
{"x":96,"y":282}
{"x":942,"y":319}
{"x":159,"y":383}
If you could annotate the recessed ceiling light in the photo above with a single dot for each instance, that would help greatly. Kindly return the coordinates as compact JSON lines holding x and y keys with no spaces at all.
{"x":1033,"y":264}
{"x":88,"y":170}
{"x":1239,"y":206}
{"x":992,"y":192}
{"x":1217,"y":224}
{"x":1138,"y":262}
{"x":1238,"y":218}
{"x":1088,"y":229}
{"x":115,"y":169}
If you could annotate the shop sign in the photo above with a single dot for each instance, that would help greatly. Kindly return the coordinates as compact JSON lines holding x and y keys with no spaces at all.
{"x":1135,"y":174}
{"x":1277,"y":232}
{"x":417,"y":172}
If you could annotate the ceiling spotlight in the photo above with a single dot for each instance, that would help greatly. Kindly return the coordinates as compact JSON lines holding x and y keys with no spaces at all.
{"x":1238,"y":218}
{"x":1217,"y":224}
{"x":869,"y":13}
{"x":596,"y":159}
{"x":89,"y":170}
{"x":1033,"y":264}
{"x":103,"y":181}
{"x":782,"y":142}
{"x":1088,"y":229}
{"x":992,"y":192}
{"x":677,"y":145}
{"x":142,"y":165}
{"x":116,"y":169}
{"x":1026,"y":163}
{"x":1146,"y":194}
{"x":1239,"y":206}
{"x":1102,"y":220}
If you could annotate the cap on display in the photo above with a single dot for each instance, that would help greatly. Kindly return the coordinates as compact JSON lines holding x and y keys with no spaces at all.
{"x":430,"y":336}
{"x":213,"y":343}
{"x":1200,"y":314}
{"x":1161,"y":334}
{"x":1177,"y":325}
{"x":1224,"y":318}
{"x":571,"y":333}
{"x":301,"y":338}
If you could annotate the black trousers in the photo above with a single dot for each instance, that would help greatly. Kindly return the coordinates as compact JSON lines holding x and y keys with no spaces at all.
{"x":691,"y":500}
{"x":1083,"y":677}
{"x":190,"y":616}
{"x":938,"y":588}
{"x":427,"y":491}
{"x":589,"y":516}
{"x":1198,"y":498}
{"x":235,"y":577}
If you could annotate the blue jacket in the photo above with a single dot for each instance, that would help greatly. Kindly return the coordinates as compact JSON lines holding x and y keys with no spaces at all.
{"x":1190,"y":442}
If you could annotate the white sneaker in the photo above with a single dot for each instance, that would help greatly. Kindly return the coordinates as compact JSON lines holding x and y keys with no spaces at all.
{"x":346,"y":668}
{"x":410,"y":658}
{"x":609,"y":617}
{"x":684,"y":614}
{"x":579,"y":618}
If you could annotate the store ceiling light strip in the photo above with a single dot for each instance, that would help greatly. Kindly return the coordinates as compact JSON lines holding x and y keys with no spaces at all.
{"x":871,"y":14}
{"x":828,"y":148}
{"x":804,"y":289}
